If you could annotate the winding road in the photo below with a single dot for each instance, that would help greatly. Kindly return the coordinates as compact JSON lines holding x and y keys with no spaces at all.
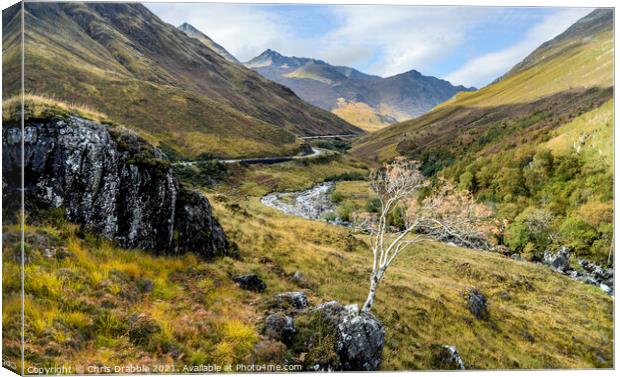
{"x":261,"y":160}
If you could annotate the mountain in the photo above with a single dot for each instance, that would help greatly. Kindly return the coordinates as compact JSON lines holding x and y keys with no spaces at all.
{"x":536,"y":145}
{"x":368,"y":101}
{"x":562,"y":74}
{"x":195,"y":33}
{"x":123,"y":61}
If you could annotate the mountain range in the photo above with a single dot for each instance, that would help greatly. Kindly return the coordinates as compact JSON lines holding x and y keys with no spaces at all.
{"x":179,"y":93}
{"x":368,"y":101}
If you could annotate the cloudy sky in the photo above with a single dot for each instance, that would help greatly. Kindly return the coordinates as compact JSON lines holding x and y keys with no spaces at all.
{"x":465,"y":45}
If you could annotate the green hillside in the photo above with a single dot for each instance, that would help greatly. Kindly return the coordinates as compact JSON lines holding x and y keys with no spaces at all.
{"x":536,"y":144}
{"x":123,"y":61}
{"x":563,"y":69}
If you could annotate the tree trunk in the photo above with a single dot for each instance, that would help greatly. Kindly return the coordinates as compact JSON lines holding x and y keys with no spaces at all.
{"x":374,"y":282}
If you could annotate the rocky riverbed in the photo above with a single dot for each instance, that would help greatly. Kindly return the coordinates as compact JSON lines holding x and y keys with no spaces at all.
{"x":313,"y":204}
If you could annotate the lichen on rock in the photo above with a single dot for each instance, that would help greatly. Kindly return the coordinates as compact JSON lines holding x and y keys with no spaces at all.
{"x":109,"y":180}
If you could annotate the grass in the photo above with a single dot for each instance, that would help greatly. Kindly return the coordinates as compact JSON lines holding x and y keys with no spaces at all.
{"x":79,"y":308}
{"x":37,"y":106}
{"x":258,"y":180}
{"x":420,"y":301}
{"x":229,"y":111}
{"x":360,"y":114}
{"x":82,"y":308}
{"x":592,"y":132}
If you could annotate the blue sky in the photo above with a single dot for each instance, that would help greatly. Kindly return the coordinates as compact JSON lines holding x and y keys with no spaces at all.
{"x":466,"y":45}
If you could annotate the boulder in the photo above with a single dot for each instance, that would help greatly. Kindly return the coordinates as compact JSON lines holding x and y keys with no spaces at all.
{"x":558,"y":261}
{"x":279,"y":327}
{"x":290,"y":300}
{"x":250,"y":283}
{"x":445,"y":357}
{"x":110,"y":181}
{"x":360,"y":341}
{"x":356,"y":339}
{"x":477,"y":303}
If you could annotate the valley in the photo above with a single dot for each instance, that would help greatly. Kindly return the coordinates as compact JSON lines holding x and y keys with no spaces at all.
{"x":185,"y":210}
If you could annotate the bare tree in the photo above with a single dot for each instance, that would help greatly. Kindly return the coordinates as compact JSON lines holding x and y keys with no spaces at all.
{"x":445,"y":214}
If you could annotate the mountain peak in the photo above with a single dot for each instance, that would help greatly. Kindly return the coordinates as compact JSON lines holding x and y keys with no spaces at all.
{"x":272,"y":58}
{"x":191,"y":31}
{"x":185,"y":27}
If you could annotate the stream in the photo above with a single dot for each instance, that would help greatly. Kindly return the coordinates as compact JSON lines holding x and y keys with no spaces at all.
{"x":315,"y":204}
{"x":312,"y":204}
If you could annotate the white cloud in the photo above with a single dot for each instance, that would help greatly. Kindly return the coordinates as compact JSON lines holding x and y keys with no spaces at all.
{"x":244,"y":30}
{"x":408,"y":37}
{"x":381,"y":40}
{"x":482,"y":70}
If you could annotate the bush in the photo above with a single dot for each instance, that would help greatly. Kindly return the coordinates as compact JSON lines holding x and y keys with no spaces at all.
{"x":516,"y":236}
{"x":395,"y":218}
{"x":345,"y":210}
{"x":142,"y":330}
{"x":530,"y":228}
{"x":348,"y":176}
{"x":337,"y":197}
{"x":373,"y":205}
{"x":577,"y":234}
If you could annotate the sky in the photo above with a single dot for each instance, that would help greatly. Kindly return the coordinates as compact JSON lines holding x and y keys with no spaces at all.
{"x":470,"y":46}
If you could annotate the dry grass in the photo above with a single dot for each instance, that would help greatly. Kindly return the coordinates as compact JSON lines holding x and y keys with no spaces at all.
{"x":421,"y":300}
{"x":36,"y":106}
{"x":360,"y":114}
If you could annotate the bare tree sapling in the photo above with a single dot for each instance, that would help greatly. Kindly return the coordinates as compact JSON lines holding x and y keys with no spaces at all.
{"x":445,"y":214}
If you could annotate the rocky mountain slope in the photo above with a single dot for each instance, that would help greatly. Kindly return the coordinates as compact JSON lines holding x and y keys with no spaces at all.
{"x":195,"y":33}
{"x":122,"y":60}
{"x":107,"y":179}
{"x":365,"y":100}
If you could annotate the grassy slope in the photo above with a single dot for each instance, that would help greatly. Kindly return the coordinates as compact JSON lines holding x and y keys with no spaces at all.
{"x":572,"y":62}
{"x":494,"y":142}
{"x":360,"y":114}
{"x":204,"y":317}
{"x":153,"y":77}
{"x":83,"y":293}
{"x":593,"y":130}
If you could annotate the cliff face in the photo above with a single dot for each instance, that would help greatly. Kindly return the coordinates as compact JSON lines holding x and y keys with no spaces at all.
{"x":112,"y":182}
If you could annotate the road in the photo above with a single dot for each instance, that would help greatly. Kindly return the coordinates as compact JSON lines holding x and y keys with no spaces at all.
{"x":326,"y":136}
{"x":261,"y":160}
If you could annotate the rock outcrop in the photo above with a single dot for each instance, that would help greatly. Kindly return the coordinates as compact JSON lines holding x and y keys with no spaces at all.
{"x":477,"y":303}
{"x":327,"y":337}
{"x":111,"y":181}
{"x":250,"y":283}
{"x":445,"y":357}
{"x":280,"y":327}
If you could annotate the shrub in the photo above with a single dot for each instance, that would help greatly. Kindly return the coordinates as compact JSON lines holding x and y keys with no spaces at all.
{"x":516,"y":236}
{"x":337,"y":197}
{"x":466,"y":181}
{"x":577,"y":234}
{"x":142,"y":330}
{"x":373,"y":205}
{"x":345,"y":210}
{"x":531,"y":227}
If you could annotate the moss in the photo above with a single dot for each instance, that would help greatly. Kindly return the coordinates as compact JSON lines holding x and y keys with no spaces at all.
{"x":316,"y":337}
